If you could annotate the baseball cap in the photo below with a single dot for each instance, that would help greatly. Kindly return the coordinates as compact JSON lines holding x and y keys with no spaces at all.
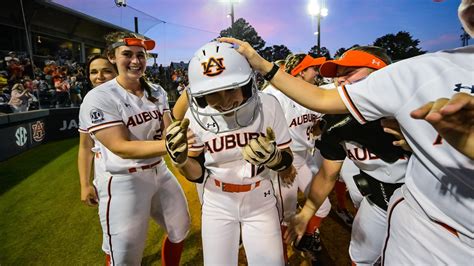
{"x":308,"y":61}
{"x":351,"y":58}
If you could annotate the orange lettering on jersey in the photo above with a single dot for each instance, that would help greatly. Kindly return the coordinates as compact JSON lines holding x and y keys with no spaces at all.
{"x":438,"y":140}
{"x":213,"y":66}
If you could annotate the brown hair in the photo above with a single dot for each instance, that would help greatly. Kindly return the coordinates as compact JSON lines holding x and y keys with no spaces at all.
{"x":292,"y":60}
{"x":117,"y":36}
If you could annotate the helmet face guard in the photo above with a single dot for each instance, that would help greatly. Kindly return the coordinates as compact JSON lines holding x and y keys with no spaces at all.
{"x":217,"y":67}
{"x":216,"y":122}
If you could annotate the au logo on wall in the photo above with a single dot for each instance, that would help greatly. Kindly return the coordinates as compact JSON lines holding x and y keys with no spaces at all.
{"x":37,"y":130}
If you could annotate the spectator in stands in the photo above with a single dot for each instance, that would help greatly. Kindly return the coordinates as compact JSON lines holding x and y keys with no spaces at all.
{"x":62,"y":91}
{"x":75,"y":91}
{"x":20,"y":98}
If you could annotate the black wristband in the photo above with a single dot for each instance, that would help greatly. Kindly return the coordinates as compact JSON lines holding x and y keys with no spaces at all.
{"x":272,"y":72}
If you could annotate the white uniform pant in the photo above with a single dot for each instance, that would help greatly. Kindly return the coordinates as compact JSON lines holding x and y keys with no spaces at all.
{"x":414,"y":239}
{"x":348,"y":171}
{"x":127,"y":201}
{"x":368,"y":233}
{"x":225,"y":213}
{"x":289,"y":195}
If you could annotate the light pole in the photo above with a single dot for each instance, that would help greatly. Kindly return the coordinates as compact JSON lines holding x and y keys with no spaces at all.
{"x":316,"y":8}
{"x":231,"y":14}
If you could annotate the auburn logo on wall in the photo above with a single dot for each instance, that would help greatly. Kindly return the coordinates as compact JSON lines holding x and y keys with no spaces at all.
{"x":213,"y":66}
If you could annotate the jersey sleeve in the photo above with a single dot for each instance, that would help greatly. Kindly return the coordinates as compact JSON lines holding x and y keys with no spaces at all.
{"x":330,"y":148}
{"x":198,"y":146}
{"x":98,"y":111}
{"x":280,"y":126}
{"x":382,"y":94}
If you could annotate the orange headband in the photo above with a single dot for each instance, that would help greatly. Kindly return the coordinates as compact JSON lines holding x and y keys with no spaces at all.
{"x":351,"y":58}
{"x":307,"y":61}
{"x":147,"y":44}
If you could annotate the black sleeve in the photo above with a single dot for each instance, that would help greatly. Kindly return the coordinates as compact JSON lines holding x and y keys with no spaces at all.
{"x":330,"y":148}
{"x":201,"y":160}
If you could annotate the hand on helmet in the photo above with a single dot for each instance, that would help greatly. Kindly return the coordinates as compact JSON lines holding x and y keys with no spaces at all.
{"x":176,"y":142}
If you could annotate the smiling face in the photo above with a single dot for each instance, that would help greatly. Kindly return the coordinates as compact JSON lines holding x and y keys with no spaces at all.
{"x":100,"y":71}
{"x":225,"y":100}
{"x":130,"y":62}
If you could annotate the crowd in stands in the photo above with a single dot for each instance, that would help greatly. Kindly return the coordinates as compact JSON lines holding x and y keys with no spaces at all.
{"x":58,"y":81}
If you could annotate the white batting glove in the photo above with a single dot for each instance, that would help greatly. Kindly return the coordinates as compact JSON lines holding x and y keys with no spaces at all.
{"x":176,"y":142}
{"x":263,"y":150}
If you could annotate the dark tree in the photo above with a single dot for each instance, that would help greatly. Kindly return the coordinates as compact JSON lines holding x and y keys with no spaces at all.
{"x":275,"y":52}
{"x":324,"y":52}
{"x":399,"y":46}
{"x":244,"y":31}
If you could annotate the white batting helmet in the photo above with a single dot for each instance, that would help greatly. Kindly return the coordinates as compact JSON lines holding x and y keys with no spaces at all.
{"x":216,"y":67}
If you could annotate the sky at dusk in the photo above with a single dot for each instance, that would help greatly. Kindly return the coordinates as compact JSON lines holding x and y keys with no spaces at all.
{"x":180,"y":27}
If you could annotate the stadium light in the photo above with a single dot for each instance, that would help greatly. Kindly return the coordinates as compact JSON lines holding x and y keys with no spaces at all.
{"x":315,"y":8}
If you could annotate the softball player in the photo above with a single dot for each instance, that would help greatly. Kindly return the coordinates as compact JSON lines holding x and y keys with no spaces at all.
{"x":429,"y":218}
{"x":98,"y":70}
{"x":369,"y":148}
{"x":128,"y":123}
{"x":229,"y":124}
{"x":300,"y":122}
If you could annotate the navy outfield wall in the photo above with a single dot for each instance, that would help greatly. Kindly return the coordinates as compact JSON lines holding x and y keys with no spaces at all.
{"x":22,"y":131}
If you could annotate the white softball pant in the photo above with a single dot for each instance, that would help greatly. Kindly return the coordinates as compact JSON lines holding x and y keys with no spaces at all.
{"x":414,"y":239}
{"x":127,"y":201}
{"x":368,"y":233}
{"x":225,"y":213}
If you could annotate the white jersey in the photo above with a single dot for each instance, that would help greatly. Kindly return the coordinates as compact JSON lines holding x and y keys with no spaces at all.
{"x":111,"y":105}
{"x":223,"y":156}
{"x":439,"y":177}
{"x":299,"y":118}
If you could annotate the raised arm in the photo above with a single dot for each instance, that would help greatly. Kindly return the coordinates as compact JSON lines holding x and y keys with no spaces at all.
{"x":304,"y":93}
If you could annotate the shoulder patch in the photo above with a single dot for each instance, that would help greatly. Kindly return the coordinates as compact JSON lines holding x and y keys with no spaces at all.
{"x":96,"y":115}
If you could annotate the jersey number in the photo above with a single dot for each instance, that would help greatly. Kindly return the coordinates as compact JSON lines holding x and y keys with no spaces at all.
{"x":158,"y":134}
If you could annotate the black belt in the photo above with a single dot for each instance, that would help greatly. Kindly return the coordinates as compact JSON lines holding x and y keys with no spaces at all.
{"x":376,"y":191}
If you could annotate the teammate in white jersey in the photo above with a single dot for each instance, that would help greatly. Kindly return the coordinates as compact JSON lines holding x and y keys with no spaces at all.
{"x":98,"y":71}
{"x":227,"y":118}
{"x":128,"y":119}
{"x":430,"y":218}
{"x":300,"y":121}
{"x":381,"y":170}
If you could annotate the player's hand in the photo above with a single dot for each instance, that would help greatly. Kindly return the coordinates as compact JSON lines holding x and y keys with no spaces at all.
{"x":288,"y":176}
{"x":256,"y":61}
{"x":176,"y":141}
{"x":262,"y":150}
{"x":453,"y":119}
{"x":391,"y":126}
{"x":297,"y":226}
{"x":89,"y":196}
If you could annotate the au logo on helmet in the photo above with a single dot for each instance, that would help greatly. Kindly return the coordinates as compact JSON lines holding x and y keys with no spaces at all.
{"x":213,"y":66}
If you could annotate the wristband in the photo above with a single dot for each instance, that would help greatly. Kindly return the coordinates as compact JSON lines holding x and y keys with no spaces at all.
{"x":272,"y":72}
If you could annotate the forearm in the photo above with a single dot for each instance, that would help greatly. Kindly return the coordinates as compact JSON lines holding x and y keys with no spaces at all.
{"x":84,"y":164}
{"x":139,"y":149}
{"x":191,"y":170}
{"x":321,"y":187}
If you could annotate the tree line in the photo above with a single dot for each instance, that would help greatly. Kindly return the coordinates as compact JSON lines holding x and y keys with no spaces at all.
{"x":398,"y":46}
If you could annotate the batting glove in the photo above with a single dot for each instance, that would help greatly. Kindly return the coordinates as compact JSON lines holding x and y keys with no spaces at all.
{"x":263,"y":151}
{"x":176,"y":142}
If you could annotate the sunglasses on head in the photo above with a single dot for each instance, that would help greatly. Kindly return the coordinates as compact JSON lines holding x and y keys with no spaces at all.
{"x":147,"y":44}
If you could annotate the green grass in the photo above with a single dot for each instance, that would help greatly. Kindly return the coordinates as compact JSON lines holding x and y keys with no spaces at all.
{"x":43,"y":221}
